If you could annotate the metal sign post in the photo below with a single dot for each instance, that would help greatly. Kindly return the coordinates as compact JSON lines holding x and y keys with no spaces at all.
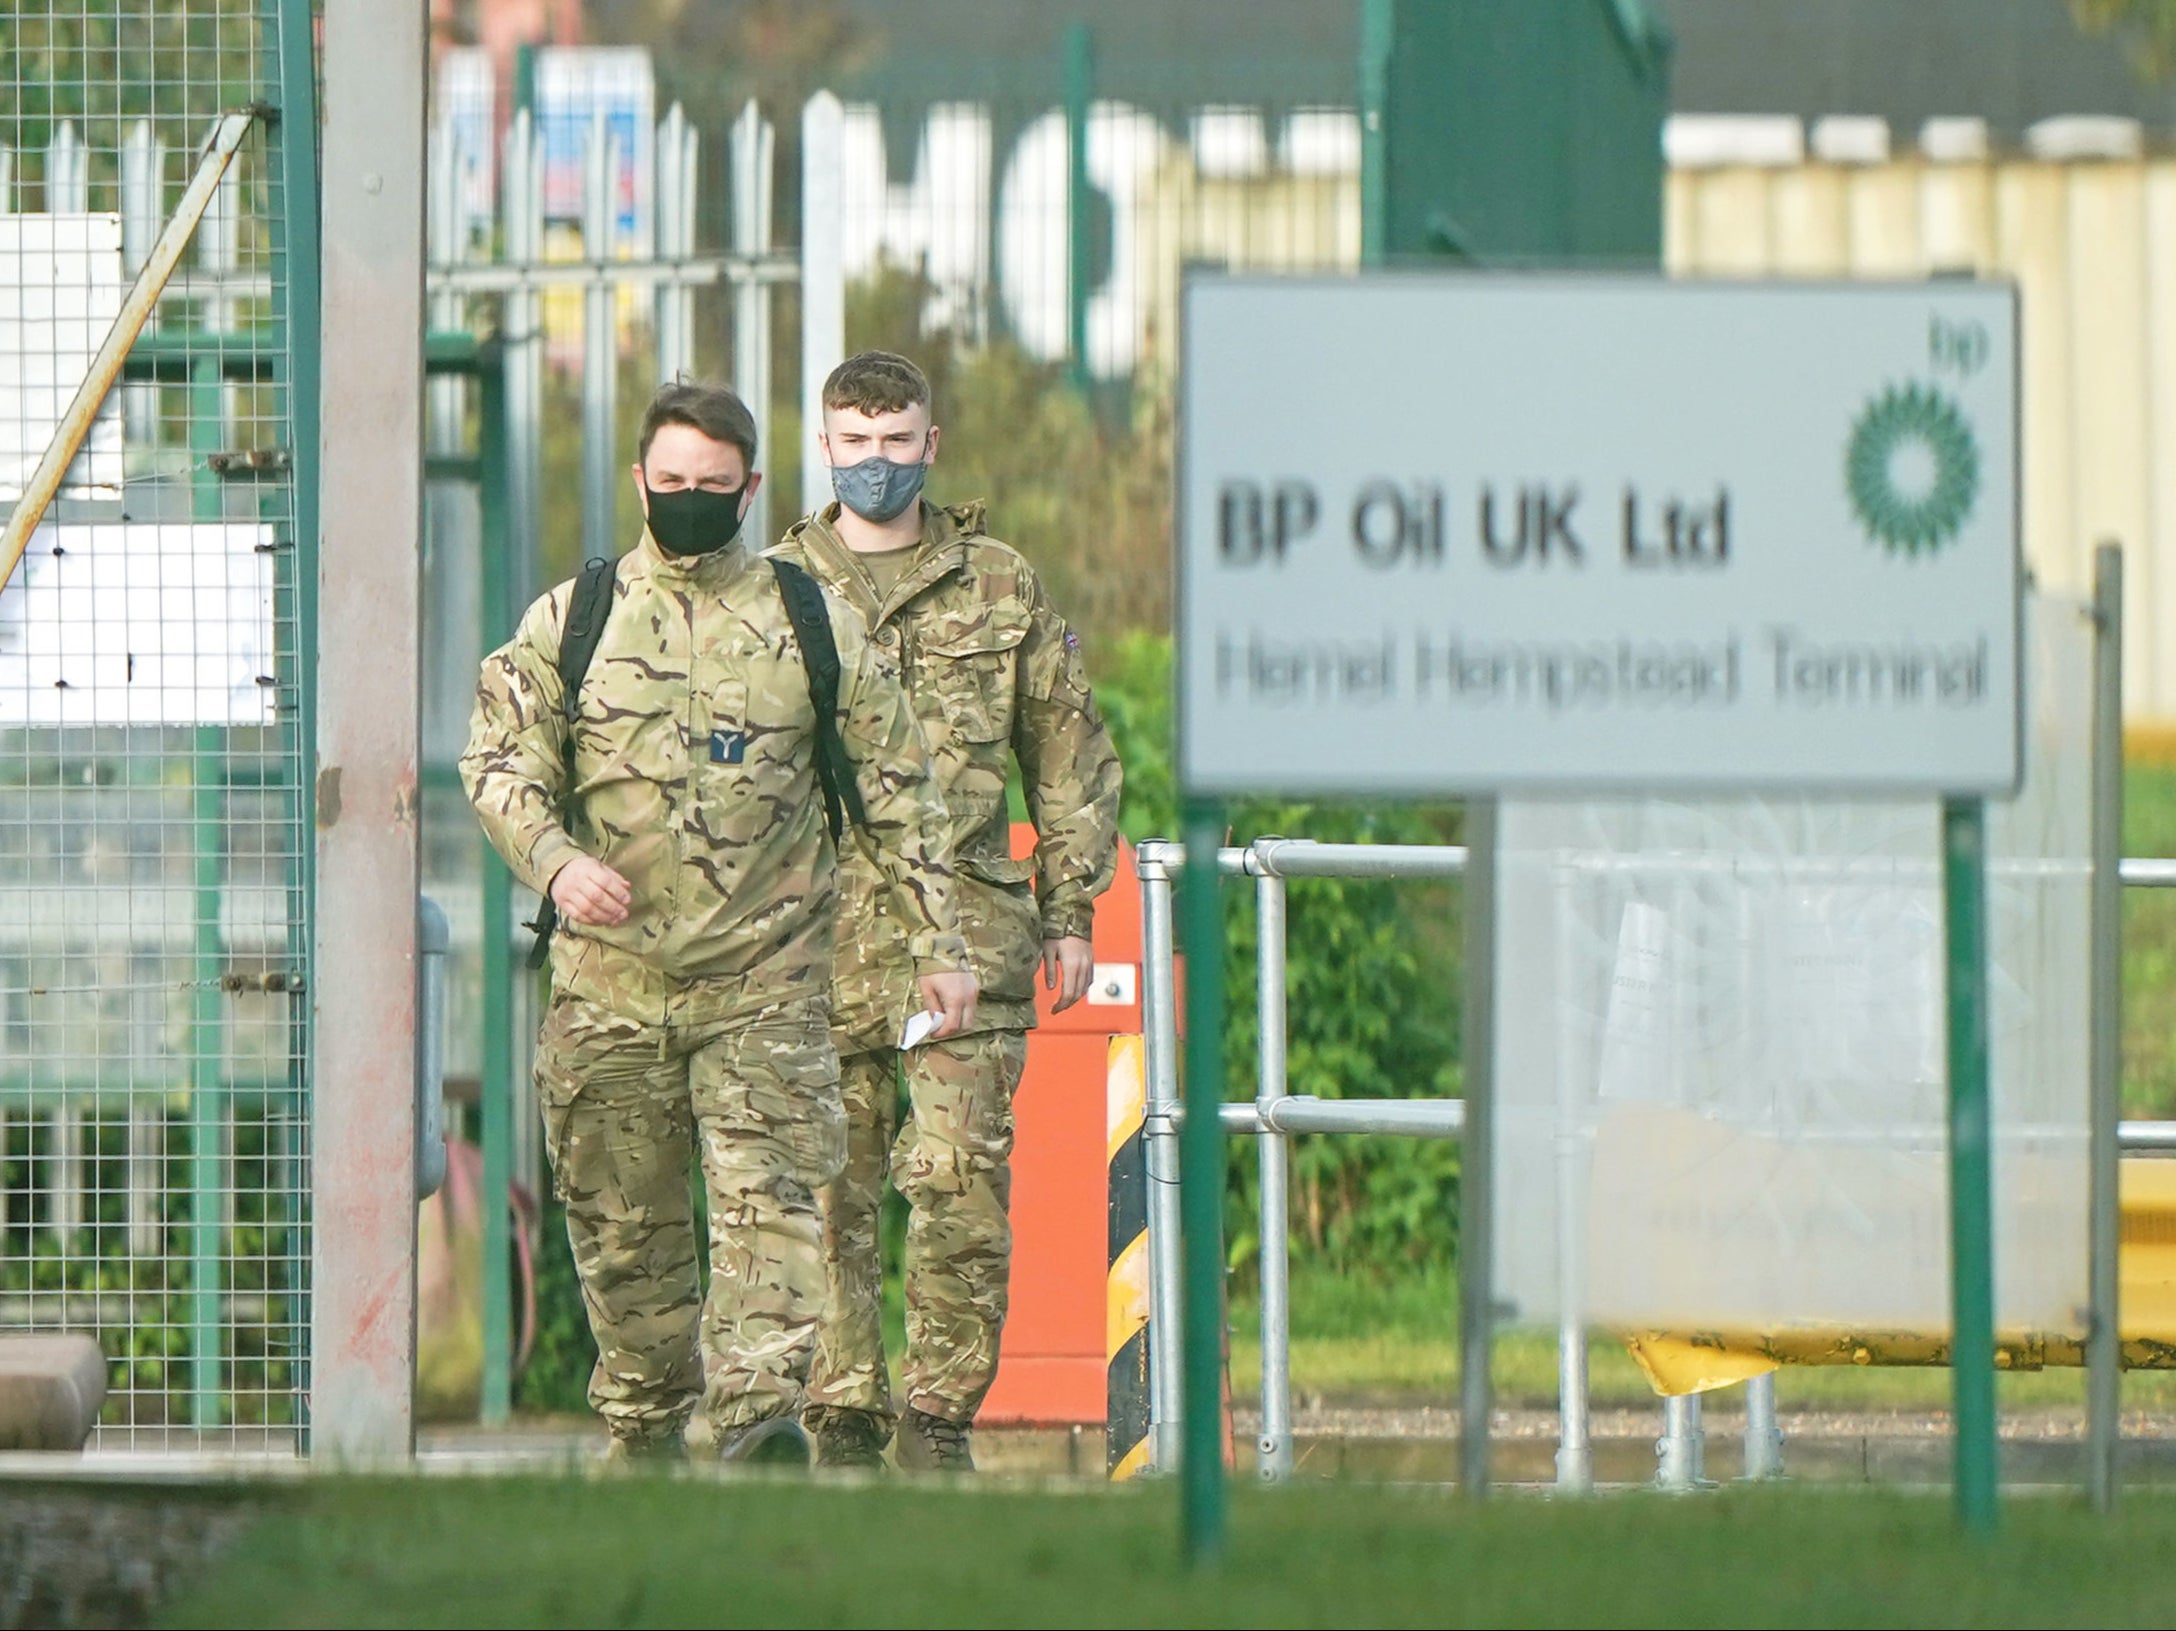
{"x":1971,"y":1211}
{"x":1477,"y":1158}
{"x":2104,"y":1358}
{"x":1201,"y":1188}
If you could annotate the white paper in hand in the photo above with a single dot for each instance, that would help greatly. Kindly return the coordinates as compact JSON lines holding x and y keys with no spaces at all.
{"x":918,"y":1028}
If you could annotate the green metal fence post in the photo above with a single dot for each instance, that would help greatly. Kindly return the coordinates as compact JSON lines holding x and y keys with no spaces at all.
{"x":1201,"y":1189}
{"x":305,"y":300}
{"x":2104,"y":1214}
{"x":1512,"y":134}
{"x":1377,"y":23}
{"x":496,"y":1076}
{"x":292,"y":158}
{"x":1972,"y":1276}
{"x":207,"y":1065}
{"x":1080,"y":73}
{"x":207,"y":1095}
{"x":1477,"y":1156}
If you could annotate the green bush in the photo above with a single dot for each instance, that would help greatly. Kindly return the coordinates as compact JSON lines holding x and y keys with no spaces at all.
{"x":1372,"y":977}
{"x":555,"y":1381}
{"x":141,"y":1303}
{"x":1083,"y":490}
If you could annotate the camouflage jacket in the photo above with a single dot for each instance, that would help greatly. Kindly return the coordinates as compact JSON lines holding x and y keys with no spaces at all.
{"x":694,"y":778}
{"x":995,"y":674}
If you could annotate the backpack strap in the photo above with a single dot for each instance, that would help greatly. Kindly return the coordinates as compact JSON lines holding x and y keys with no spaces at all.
{"x":587,"y":609}
{"x":811,"y":620}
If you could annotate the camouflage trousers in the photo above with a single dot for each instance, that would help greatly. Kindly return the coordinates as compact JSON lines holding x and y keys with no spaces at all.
{"x":628,"y":1109}
{"x":949,"y":1162}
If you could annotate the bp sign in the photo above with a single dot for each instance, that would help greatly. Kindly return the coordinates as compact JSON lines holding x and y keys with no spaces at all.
{"x":1452,"y":533}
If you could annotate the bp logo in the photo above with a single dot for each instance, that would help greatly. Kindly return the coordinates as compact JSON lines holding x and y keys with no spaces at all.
{"x":1912,"y":470}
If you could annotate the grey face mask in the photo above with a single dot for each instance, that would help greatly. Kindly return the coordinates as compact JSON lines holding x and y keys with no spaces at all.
{"x":877,"y":489}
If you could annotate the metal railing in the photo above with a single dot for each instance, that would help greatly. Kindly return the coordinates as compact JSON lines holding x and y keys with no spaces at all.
{"x":1277,"y":1113}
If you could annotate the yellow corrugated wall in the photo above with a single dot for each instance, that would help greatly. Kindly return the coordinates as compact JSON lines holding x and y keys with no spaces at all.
{"x":2092,"y":244}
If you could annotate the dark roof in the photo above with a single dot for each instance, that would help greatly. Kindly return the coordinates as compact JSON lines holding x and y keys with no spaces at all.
{"x":2010,"y":62}
{"x":1189,"y":52}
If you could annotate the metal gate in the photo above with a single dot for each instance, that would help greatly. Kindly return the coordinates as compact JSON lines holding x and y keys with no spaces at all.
{"x":156,"y":703}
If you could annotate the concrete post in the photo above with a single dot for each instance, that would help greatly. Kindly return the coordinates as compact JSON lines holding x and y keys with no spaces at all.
{"x":364,"y":993}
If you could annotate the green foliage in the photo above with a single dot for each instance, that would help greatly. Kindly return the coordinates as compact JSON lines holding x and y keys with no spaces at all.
{"x":2148,"y":26}
{"x":1371,"y":987}
{"x":1133,"y":690}
{"x":143,"y":1323}
{"x":556,"y":1379}
{"x":559,"y":549}
{"x":2149,"y":948}
{"x":1085,"y":496}
{"x":103,"y":68}
{"x":141,"y":1303}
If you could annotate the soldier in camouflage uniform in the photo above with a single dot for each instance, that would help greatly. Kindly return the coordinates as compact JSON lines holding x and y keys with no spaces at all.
{"x":996,"y":676}
{"x":682,"y":838}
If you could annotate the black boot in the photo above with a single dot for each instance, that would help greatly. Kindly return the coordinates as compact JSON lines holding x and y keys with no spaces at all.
{"x":775,"y":1441}
{"x":848,"y":1438}
{"x":931,"y":1444}
{"x":662,"y":1445}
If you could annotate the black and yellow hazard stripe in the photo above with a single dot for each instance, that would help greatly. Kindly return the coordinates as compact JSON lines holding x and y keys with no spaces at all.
{"x":1126,"y":1433}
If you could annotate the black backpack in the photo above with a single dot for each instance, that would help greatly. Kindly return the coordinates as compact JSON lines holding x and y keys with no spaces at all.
{"x":587,"y":610}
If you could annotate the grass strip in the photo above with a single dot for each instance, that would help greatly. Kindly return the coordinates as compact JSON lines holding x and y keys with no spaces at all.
{"x":655,"y":1551}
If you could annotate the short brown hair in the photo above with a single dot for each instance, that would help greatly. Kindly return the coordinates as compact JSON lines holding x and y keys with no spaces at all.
{"x":875,"y":382}
{"x":711,"y":409}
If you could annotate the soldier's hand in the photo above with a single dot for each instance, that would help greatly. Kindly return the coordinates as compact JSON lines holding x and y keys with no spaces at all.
{"x":1069,"y":962}
{"x":950,"y":996}
{"x":588,"y":892}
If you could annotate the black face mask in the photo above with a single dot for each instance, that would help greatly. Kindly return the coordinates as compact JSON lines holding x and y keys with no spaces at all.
{"x":693,"y":520}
